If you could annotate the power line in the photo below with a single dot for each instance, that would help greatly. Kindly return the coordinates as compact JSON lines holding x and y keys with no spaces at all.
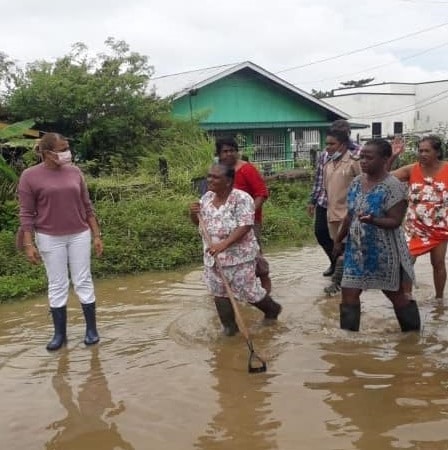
{"x":379,"y":66}
{"x":406,"y":108}
{"x":352,"y":52}
{"x":190,"y":71}
{"x":413,"y":108}
{"x":312,"y":63}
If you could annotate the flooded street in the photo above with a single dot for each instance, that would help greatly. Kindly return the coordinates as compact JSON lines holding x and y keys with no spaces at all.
{"x":163,"y":376}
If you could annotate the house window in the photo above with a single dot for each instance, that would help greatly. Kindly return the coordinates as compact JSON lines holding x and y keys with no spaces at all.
{"x":304,"y":140}
{"x":376,"y":129}
{"x":398,"y":128}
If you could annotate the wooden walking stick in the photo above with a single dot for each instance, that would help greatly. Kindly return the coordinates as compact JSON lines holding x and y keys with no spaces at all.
{"x":255,"y":364}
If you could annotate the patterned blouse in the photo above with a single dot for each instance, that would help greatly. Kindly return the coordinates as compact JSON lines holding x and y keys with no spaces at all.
{"x":221,"y":221}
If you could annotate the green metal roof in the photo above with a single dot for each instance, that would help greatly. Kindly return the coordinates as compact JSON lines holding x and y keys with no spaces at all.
{"x":248,"y":93}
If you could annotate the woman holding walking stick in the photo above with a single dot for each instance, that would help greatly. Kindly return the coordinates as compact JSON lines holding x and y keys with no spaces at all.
{"x":227,"y":217}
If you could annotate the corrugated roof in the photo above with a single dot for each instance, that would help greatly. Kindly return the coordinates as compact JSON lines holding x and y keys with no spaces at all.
{"x":180,"y":84}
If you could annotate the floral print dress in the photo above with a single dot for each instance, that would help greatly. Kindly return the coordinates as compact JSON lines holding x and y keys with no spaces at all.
{"x":237,"y":261}
{"x":426,"y":219}
{"x":221,"y":221}
{"x":375,"y":257}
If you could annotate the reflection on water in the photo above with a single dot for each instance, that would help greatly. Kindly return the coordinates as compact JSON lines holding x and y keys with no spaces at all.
{"x":163,"y":376}
{"x":90,"y":412}
{"x":381,"y":391}
{"x":244,"y":417}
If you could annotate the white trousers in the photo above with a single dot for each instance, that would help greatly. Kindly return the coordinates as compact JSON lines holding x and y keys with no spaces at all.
{"x":61,"y":253}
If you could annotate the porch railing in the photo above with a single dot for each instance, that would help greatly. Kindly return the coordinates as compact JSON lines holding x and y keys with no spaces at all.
{"x":268,"y":158}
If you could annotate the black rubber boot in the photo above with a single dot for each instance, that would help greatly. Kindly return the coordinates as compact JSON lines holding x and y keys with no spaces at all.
{"x":270,"y":308}
{"x":59,"y":316}
{"x":90,"y":316}
{"x":330,"y":271}
{"x":350,"y":316}
{"x":226,"y":315}
{"x":336,"y":279}
{"x":408,"y":317}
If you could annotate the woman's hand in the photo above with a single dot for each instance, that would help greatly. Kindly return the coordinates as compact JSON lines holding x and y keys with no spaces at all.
{"x":398,"y":146}
{"x":195,"y":208}
{"x":32,"y":255}
{"x":214,"y":249}
{"x":310,"y":208}
{"x":338,"y":248}
{"x":366,"y":218}
{"x":98,"y":246}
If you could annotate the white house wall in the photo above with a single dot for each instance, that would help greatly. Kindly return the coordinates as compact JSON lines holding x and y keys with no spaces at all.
{"x":431,"y":106}
{"x":421,"y":107}
{"x":369,"y":108}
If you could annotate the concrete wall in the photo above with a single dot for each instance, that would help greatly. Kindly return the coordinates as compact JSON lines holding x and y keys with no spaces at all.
{"x":431,"y":106}
{"x":383,"y":108}
{"x":421,"y":107}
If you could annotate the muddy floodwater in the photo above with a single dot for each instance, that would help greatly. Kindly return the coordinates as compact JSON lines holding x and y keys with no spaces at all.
{"x":163,"y":376}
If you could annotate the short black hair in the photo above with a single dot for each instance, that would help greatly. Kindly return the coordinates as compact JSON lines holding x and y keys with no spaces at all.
{"x":383,"y":147}
{"x":436,"y":143}
{"x":229,"y":141}
{"x":341,"y":136}
{"x":341,"y":124}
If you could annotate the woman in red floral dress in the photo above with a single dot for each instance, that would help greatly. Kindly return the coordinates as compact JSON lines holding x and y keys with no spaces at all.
{"x":427,"y":217}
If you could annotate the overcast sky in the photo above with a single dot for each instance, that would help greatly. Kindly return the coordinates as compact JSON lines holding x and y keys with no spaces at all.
{"x":180,"y":35}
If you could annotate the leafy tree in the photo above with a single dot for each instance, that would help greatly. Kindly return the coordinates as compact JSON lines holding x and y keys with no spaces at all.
{"x":11,"y":136}
{"x":6,"y":70}
{"x":321,"y":94}
{"x":8,"y":176}
{"x":102,"y":103}
{"x":357,"y":83}
{"x":6,"y":173}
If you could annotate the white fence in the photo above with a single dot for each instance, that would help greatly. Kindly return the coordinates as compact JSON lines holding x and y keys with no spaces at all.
{"x":269,"y":158}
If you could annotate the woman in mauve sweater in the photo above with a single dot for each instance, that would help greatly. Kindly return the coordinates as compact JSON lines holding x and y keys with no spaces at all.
{"x":57,"y":223}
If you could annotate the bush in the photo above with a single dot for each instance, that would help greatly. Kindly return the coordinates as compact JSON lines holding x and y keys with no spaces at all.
{"x":9,"y":215}
{"x":285,"y":217}
{"x":146,"y":234}
{"x":17,"y":277}
{"x":149,"y":229}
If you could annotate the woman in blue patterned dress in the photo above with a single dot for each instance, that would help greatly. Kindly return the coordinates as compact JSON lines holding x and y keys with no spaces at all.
{"x":376,"y":254}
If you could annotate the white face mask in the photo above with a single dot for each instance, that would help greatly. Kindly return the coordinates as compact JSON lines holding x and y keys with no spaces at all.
{"x":336,"y":155}
{"x":64,"y":157}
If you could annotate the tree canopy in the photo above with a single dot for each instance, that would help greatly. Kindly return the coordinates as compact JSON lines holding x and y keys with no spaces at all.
{"x":321,"y":94}
{"x":357,"y":83}
{"x":350,"y":83}
{"x":102,"y":103}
